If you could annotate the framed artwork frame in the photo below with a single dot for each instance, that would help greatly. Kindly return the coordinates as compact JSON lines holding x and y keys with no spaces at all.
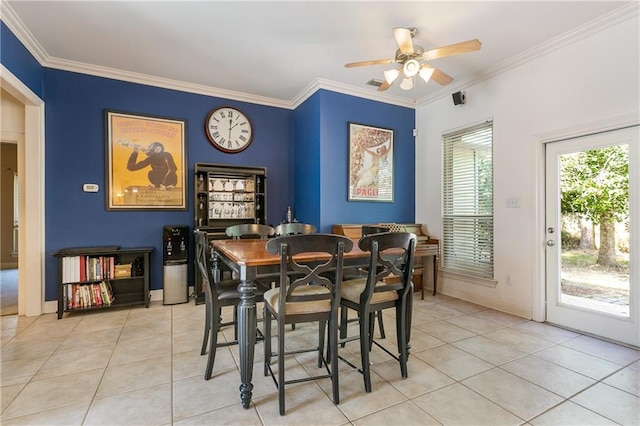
{"x":370,"y":163}
{"x":146,"y":162}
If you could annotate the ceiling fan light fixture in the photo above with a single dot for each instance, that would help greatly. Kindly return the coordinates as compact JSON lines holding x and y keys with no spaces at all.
{"x":391,"y":75}
{"x":426,"y":73}
{"x":411,"y":67}
{"x":407,"y":83}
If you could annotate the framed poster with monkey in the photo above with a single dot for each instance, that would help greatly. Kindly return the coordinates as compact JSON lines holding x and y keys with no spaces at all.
{"x":145,"y":162}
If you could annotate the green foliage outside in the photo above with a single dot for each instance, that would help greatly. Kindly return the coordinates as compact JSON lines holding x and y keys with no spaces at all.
{"x":595,"y":186}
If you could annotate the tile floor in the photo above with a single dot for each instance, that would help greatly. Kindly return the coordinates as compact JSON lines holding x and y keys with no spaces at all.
{"x":469,"y":366}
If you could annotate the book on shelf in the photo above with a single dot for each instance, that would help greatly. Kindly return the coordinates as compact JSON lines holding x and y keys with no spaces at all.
{"x":82,"y":296}
{"x":87,"y":268}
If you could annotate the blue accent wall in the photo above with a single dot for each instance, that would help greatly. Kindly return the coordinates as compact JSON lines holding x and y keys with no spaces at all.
{"x":306,"y":164}
{"x":17,"y":59}
{"x":305,"y":152}
{"x":75,"y":154}
{"x":321,"y":160}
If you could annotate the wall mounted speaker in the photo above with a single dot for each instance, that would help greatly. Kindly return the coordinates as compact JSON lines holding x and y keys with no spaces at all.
{"x":458,"y":98}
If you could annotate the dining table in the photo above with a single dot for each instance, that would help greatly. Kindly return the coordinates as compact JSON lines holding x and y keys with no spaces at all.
{"x":249,"y":259}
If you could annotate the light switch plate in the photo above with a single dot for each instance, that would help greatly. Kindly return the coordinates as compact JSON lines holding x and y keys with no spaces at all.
{"x":90,"y":187}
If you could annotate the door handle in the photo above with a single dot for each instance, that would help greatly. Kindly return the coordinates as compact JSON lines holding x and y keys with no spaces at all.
{"x":551,"y":243}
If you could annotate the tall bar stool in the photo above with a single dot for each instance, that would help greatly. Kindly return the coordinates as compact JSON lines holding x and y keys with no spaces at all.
{"x":306,"y":293}
{"x":392,"y":253}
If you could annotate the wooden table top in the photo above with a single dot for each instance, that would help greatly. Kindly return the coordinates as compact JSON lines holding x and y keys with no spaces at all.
{"x":252,"y":252}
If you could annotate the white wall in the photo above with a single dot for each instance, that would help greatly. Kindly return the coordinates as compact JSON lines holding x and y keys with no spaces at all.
{"x":577,"y":86}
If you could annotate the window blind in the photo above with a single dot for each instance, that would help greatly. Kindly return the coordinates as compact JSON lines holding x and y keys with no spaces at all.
{"x":468,"y":201}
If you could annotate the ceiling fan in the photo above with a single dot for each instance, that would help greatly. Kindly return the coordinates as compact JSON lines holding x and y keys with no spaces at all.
{"x":411,"y":57}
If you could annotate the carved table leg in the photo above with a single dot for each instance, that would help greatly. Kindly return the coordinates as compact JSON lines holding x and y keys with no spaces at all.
{"x":247,"y":324}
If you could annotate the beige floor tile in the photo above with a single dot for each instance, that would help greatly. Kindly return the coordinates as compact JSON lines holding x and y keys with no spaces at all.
{"x":445,"y":331}
{"x":135,"y":375}
{"x":34,"y":348}
{"x":191,"y":363}
{"x":355,"y":402}
{"x":47,"y":327}
{"x":627,"y":379}
{"x":521,"y":341}
{"x":453,"y":362}
{"x":512,"y":393}
{"x":546,"y":331}
{"x":187,"y":341}
{"x":612,"y":403}
{"x":464,"y":306}
{"x":8,"y":392}
{"x":20,"y":370}
{"x":605,"y":350}
{"x":159,"y":359}
{"x":406,"y":413}
{"x":475,"y":324}
{"x":75,"y":362}
{"x":500,"y":317}
{"x":102,"y":320}
{"x":41,"y":395}
{"x":135,"y":350}
{"x":148,"y":406}
{"x":570,"y":414}
{"x":228,"y":416}
{"x":83,"y":340}
{"x":418,"y":317}
{"x":590,"y":366}
{"x":549,"y":376}
{"x":422,"y":378}
{"x":458,"y":405}
{"x":194,"y":395}
{"x":304,"y":405}
{"x":440,"y":311}
{"x":489,"y":350}
{"x":141,"y":330}
{"x":63,"y":416}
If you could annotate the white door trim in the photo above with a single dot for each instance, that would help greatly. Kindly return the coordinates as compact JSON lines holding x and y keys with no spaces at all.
{"x":31,"y":156}
{"x":540,"y":140}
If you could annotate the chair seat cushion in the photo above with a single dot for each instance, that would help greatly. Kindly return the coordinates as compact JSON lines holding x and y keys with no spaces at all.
{"x":352,"y":289}
{"x":272,"y":298}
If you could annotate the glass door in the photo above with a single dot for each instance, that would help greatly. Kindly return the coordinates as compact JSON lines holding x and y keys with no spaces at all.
{"x":592,"y":235}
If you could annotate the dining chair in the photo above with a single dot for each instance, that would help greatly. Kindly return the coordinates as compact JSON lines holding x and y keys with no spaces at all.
{"x":310,"y":294}
{"x":217,"y":294}
{"x":250,"y":230}
{"x":295,"y":228}
{"x":362,"y":272}
{"x":392,"y":253}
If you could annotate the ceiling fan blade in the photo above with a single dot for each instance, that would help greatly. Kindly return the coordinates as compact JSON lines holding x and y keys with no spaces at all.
{"x":403,"y":38}
{"x":365,"y":63}
{"x":453,"y":49}
{"x":439,"y":76}
{"x":384,"y":86}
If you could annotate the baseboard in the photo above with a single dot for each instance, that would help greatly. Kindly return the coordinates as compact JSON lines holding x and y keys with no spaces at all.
{"x":9,"y":265}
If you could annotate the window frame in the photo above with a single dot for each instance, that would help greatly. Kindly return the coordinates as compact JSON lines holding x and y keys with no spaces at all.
{"x":468,"y":202}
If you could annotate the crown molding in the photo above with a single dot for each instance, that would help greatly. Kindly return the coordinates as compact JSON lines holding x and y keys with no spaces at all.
{"x":621,"y":14}
{"x":334,"y":86}
{"x":615,"y":17}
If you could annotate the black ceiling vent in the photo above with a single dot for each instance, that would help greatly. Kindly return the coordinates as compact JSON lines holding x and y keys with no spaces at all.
{"x":375,"y":83}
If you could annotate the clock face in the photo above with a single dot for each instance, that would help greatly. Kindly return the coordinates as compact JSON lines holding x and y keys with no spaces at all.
{"x":228,"y":129}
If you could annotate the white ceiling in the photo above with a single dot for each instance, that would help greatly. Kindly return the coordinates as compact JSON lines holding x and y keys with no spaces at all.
{"x":277,"y":50}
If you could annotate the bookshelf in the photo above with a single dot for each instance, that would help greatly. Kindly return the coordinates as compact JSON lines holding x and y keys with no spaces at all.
{"x":91,"y":278}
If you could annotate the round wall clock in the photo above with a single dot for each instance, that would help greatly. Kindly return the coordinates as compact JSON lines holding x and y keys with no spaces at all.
{"x":229,"y":129}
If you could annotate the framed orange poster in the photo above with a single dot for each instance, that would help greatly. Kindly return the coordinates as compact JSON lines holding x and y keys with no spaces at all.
{"x":370,"y":163}
{"x":145,"y":162}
